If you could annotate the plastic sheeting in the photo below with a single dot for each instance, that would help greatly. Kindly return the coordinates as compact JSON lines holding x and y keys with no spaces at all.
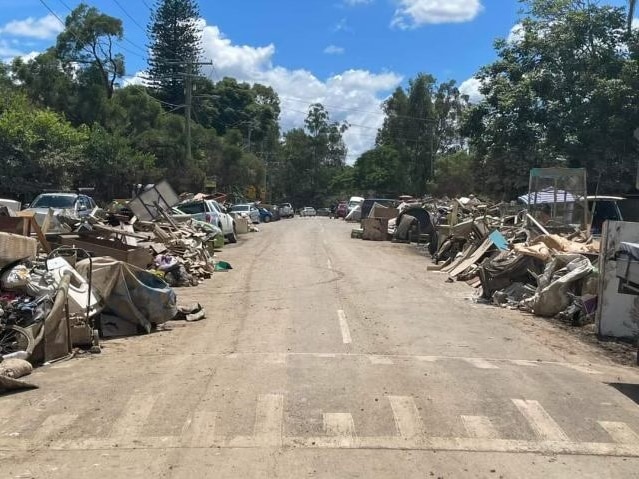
{"x":131,"y":295}
{"x":553,"y":285}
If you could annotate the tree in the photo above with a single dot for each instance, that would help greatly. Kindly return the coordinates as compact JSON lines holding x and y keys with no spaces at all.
{"x":38,"y":148}
{"x":46,"y":82}
{"x":88,"y":39}
{"x":174,"y":35}
{"x":421,"y":123}
{"x":376,"y":172}
{"x":564,"y":94}
{"x":113,"y":165}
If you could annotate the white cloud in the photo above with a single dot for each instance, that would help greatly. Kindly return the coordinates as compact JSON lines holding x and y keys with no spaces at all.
{"x":8,"y":52}
{"x":471,"y":87}
{"x":415,"y":13}
{"x":516,"y":33}
{"x":334,"y":50}
{"x":353,"y":95}
{"x":41,"y":28}
{"x":342,"y":26}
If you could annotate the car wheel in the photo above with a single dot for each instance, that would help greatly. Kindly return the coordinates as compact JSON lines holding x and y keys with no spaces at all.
{"x":267,"y":219}
{"x":232,"y":237}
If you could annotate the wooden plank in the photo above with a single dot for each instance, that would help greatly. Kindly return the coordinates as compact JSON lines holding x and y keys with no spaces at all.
{"x":473,"y":258}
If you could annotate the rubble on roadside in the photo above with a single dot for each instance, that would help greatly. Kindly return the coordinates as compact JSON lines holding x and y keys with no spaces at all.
{"x":500,"y":250}
{"x":95,"y":277}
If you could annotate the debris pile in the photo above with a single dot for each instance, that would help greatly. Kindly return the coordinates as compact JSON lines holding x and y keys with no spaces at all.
{"x":510,"y":252}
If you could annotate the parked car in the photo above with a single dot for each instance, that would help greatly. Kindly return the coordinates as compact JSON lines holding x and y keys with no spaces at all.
{"x":286,"y":210}
{"x":603,"y":208}
{"x":323,"y":212}
{"x":341,"y":211}
{"x":75,"y":204}
{"x":265,"y":215}
{"x":308,"y":211}
{"x":274,"y":210}
{"x":353,"y":202}
{"x":247,"y":210}
{"x":210,"y":211}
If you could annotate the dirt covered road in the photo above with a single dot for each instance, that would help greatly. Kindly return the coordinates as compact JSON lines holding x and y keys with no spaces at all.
{"x":323,"y":356}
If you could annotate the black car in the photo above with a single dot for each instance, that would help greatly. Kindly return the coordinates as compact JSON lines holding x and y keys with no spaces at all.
{"x":323,"y":212}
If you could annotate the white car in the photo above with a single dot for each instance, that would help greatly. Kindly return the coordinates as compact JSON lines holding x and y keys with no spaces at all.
{"x":249,"y":211}
{"x":211,"y":212}
{"x":308,"y":211}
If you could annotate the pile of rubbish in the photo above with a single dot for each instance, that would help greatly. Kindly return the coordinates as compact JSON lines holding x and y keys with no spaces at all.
{"x":499,"y":249}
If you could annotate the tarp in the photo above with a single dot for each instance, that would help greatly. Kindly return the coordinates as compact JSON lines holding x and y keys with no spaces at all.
{"x":548,"y":195}
{"x":131,"y":294}
{"x":553,"y":285}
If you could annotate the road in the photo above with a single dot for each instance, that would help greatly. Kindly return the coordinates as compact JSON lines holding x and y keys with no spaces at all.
{"x":325,"y":356}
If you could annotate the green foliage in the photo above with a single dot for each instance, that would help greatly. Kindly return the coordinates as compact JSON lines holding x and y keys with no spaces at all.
{"x":112,"y":165}
{"x":421,"y":122}
{"x":311,"y":160}
{"x":375,"y":172}
{"x":564,"y":94}
{"x":38,"y":148}
{"x":174,"y":40}
{"x":454,"y":175}
{"x":87,"y":40}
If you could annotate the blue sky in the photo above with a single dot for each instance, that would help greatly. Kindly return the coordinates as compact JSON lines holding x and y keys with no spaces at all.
{"x":347,"y":54}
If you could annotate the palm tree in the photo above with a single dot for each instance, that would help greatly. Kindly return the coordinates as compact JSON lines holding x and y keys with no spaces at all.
{"x":631,"y":12}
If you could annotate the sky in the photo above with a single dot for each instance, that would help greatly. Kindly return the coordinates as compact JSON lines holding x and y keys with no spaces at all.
{"x":348,"y":55}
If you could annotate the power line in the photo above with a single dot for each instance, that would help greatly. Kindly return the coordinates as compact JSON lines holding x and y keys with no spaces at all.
{"x":127,"y":14}
{"x":76,"y":37}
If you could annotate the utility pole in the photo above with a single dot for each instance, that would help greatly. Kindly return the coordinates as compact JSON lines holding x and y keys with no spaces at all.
{"x":188,"y":99}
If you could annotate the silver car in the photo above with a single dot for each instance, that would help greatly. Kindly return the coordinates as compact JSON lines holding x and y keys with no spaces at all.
{"x":69,"y":204}
{"x":309,"y":211}
{"x":249,"y":211}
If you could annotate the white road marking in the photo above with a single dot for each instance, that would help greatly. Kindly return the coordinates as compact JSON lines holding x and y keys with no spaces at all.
{"x":479,"y":427}
{"x":268,"y":420}
{"x":199,"y":430}
{"x":427,"y":359}
{"x":620,"y":432}
{"x":53,"y":424}
{"x":380,"y":360}
{"x":329,"y":264}
{"x":480,"y":363}
{"x":134,"y":415}
{"x":343,"y":325}
{"x":407,"y":418}
{"x":340,"y":427}
{"x":540,"y":421}
{"x":524,"y":362}
{"x":276,"y":358}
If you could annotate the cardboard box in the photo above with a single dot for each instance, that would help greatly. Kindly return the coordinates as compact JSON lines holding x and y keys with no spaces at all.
{"x":375,"y":229}
{"x":241,"y":225}
{"x":382,"y":212}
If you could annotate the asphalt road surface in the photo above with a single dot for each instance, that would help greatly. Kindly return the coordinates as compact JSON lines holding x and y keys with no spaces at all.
{"x":325,"y":356}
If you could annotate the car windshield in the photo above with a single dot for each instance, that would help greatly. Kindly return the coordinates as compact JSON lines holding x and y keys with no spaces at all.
{"x":53,"y":201}
{"x":240,"y":208}
{"x":192,"y":208}
{"x":216,"y":206}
